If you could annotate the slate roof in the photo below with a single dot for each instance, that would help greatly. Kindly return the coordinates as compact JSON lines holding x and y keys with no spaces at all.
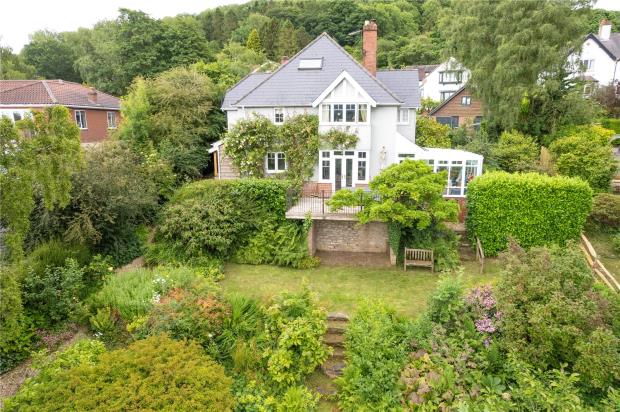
{"x":611,"y":46}
{"x":242,"y":88}
{"x":289,"y":86}
{"x":52,"y":92}
{"x":405,"y":83}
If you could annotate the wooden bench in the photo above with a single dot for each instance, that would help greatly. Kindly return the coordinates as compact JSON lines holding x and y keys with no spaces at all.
{"x":419,"y":257}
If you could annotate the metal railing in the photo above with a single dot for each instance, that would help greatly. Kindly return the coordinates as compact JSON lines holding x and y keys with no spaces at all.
{"x":316,"y":203}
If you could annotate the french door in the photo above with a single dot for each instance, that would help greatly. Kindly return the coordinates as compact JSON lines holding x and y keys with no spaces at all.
{"x":343,"y":168}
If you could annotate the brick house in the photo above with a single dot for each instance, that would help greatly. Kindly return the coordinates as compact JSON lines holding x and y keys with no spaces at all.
{"x":96,"y":113}
{"x":459,"y":110}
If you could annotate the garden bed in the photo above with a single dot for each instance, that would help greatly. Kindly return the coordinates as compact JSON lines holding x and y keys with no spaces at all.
{"x":603,"y":244}
{"x":342,"y":288}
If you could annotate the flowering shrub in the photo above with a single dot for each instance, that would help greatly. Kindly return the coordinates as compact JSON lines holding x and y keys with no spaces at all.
{"x":483,"y":306}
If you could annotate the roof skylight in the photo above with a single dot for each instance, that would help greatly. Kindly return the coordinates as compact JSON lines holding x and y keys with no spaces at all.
{"x":310,"y":64}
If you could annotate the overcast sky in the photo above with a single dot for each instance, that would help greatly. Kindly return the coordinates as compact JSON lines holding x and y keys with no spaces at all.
{"x":20,"y":18}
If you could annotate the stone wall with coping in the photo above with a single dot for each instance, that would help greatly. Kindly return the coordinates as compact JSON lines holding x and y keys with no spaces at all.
{"x":349,"y":236}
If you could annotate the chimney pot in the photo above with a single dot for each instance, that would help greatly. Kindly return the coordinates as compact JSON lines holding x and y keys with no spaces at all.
{"x":369,"y":46}
{"x":604,"y":29}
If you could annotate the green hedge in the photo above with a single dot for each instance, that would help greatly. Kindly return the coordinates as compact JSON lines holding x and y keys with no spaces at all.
{"x":534,"y":209}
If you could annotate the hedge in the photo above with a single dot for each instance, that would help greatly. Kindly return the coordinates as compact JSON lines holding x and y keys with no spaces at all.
{"x":534,"y":209}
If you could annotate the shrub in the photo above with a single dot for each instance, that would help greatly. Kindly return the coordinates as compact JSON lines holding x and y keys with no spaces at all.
{"x":552,"y":315}
{"x":16,"y":332}
{"x":612,"y":124}
{"x":298,"y":399}
{"x":152,"y":374}
{"x":55,"y":253}
{"x":195,"y":312}
{"x":294,"y":329}
{"x":616,"y":242}
{"x":132,"y":294}
{"x":429,"y":133}
{"x":283,"y":244}
{"x":244,"y":217}
{"x":534,"y":209}
{"x":515,"y":152}
{"x":587,"y":157}
{"x":376,"y":347}
{"x":248,"y":142}
{"x":605,"y":211}
{"x":53,"y":296}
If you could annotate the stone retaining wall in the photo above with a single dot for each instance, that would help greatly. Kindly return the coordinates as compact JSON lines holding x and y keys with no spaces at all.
{"x":349,"y":236}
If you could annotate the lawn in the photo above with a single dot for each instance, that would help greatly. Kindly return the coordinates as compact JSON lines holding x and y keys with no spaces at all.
{"x":340,"y":289}
{"x":602,"y":242}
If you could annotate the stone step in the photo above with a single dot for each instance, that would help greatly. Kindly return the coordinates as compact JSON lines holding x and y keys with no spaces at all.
{"x":337,"y":327}
{"x":335,"y":340}
{"x":333,"y":368}
{"x":337,"y":316}
{"x":337,"y":353}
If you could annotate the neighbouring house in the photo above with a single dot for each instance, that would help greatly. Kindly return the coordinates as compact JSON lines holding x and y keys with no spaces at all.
{"x":600,"y":56}
{"x":379,"y":106}
{"x":459,"y":110}
{"x":441,"y":81}
{"x":95,"y":113}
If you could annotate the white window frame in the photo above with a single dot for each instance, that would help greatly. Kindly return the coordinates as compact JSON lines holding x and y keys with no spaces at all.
{"x":331,"y":155}
{"x":465,"y":100}
{"x":361,"y":157}
{"x":278,"y":111}
{"x":83,"y":118}
{"x":330,"y":120}
{"x":113,"y":126}
{"x":276,"y":156}
{"x":403,"y":119}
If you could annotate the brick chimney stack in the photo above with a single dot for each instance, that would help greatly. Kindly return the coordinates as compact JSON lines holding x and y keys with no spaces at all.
{"x":92,"y":95}
{"x":604,"y":29}
{"x":369,"y":46}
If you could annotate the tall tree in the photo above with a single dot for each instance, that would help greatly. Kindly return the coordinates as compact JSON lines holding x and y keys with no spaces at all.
{"x":253,"y":42}
{"x":37,"y":161}
{"x":13,"y":67}
{"x":51,"y":55}
{"x":287,"y":40}
{"x":509,"y":44}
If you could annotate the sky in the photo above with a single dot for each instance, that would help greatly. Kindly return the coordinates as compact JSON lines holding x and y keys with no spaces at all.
{"x":18,"y":19}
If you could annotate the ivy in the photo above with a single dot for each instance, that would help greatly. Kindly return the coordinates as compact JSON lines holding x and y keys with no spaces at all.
{"x":248,"y":142}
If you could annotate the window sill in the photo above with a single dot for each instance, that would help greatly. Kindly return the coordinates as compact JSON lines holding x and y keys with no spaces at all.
{"x":403,"y":123}
{"x":274,"y":172}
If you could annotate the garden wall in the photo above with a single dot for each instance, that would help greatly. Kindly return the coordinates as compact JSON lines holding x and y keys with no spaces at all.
{"x":349,"y":236}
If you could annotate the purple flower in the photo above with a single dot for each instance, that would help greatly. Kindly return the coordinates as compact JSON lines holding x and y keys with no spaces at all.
{"x":485,"y":325}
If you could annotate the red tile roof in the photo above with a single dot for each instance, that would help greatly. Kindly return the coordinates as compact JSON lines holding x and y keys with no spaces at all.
{"x":51,"y":92}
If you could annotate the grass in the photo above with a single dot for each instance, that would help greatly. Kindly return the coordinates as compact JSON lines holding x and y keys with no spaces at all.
{"x":603,"y":244}
{"x":340,"y":289}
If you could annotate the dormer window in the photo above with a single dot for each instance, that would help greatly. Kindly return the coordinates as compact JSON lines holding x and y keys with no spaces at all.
{"x":310,"y":64}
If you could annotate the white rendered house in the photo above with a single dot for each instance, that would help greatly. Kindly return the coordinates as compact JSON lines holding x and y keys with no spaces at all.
{"x":600,"y":56}
{"x":444,"y":80}
{"x":379,"y":106}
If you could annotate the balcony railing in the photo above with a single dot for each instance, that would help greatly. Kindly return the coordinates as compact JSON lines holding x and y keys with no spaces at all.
{"x":315,"y":203}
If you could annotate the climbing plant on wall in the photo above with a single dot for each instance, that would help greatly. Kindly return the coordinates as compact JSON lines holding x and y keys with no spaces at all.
{"x":248,"y":142}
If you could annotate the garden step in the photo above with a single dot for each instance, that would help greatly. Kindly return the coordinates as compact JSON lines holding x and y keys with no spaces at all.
{"x":336,"y":340}
{"x":337,"y":353}
{"x":337,"y":326}
{"x":337,"y":316}
{"x":333,"y":368}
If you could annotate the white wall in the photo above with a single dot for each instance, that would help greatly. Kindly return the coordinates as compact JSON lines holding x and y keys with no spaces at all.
{"x":431,"y":87}
{"x":603,"y":68}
